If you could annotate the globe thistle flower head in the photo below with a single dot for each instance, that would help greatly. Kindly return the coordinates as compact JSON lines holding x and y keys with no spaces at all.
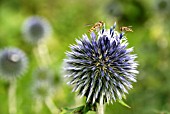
{"x":43,"y":74}
{"x":43,"y":83}
{"x":41,"y":90}
{"x":13,"y":63}
{"x":35,"y":29}
{"x":162,"y":7}
{"x":101,"y":67}
{"x":115,"y":8}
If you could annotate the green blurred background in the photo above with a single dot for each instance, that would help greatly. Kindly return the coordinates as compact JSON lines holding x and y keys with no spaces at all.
{"x":68,"y":18}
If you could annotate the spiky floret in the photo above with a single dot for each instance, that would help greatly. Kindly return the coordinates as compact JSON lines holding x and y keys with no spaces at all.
{"x":101,"y":67}
{"x":13,"y":63}
{"x":35,"y":29}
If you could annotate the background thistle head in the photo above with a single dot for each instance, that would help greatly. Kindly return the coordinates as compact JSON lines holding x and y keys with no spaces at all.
{"x":43,"y":83}
{"x":43,"y":74}
{"x":35,"y":29}
{"x":13,"y":63}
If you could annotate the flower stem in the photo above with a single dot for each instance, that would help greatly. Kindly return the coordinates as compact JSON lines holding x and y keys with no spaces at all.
{"x":51,"y":106}
{"x":12,"y":97}
{"x":37,"y":107}
{"x":100,"y":109}
{"x":43,"y":54}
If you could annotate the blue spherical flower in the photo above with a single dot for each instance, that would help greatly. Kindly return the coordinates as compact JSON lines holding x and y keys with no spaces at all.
{"x":35,"y":29}
{"x":13,"y":63}
{"x":101,"y":67}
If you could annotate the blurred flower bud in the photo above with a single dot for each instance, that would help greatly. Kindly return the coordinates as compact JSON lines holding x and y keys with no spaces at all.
{"x":13,"y":63}
{"x":36,"y":29}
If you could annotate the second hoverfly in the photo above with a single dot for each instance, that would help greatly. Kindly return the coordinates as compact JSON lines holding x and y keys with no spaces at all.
{"x":96,"y":26}
{"x":127,"y":29}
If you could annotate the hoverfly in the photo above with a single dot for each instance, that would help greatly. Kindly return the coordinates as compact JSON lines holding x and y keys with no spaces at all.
{"x":96,"y":26}
{"x":127,"y":29}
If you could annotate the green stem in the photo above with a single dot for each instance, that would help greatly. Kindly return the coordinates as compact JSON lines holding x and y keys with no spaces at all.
{"x":42,"y":54}
{"x":100,"y":109}
{"x":51,"y":106}
{"x":37,"y":107}
{"x":12,"y":97}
